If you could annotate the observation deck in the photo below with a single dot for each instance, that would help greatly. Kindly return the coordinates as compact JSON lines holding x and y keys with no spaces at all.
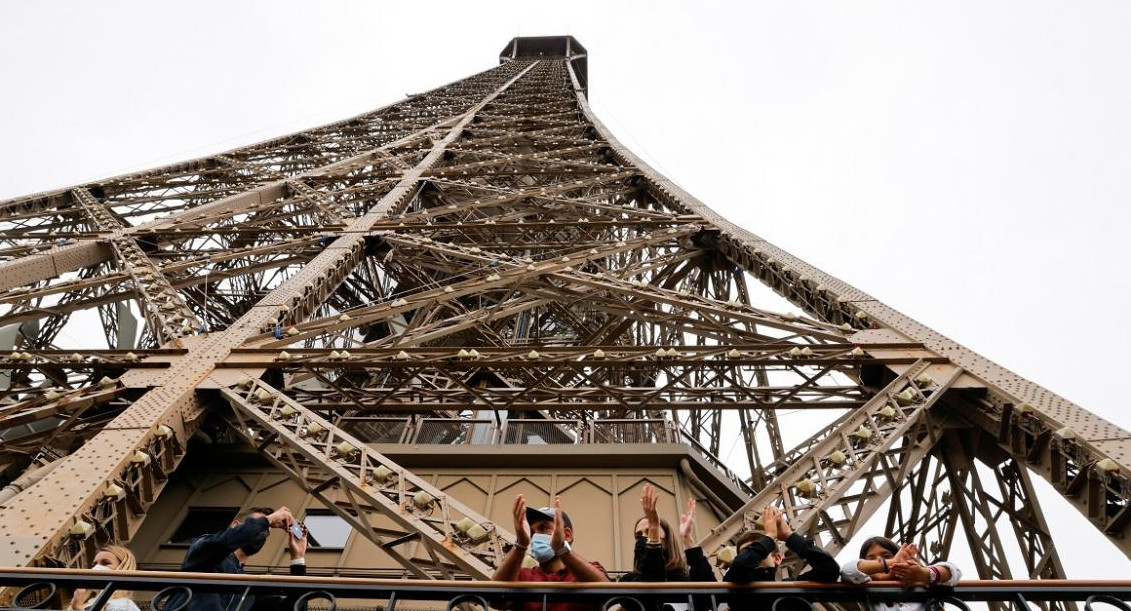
{"x":50,"y":588}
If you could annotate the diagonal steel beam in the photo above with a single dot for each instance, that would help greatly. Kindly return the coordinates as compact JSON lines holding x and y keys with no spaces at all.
{"x":1086,"y":439}
{"x":823,"y":476}
{"x":334,"y":465}
{"x":40,"y":534}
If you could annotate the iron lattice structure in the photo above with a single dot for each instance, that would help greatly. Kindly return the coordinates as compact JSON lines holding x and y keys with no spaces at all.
{"x":489,"y":248}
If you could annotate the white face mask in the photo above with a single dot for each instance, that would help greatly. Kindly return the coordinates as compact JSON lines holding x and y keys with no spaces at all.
{"x":101,"y":567}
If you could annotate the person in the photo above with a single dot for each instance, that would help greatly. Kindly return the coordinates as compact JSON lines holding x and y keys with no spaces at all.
{"x":882,"y":560}
{"x":658,"y":556}
{"x":759,"y":557}
{"x":109,"y":558}
{"x":548,"y":534}
{"x":229,"y":550}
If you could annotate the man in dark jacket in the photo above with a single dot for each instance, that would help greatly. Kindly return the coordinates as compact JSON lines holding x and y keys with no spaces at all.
{"x":228,"y":550}
{"x":758,"y":557}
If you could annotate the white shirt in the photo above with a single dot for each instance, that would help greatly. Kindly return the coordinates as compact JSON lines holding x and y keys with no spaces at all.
{"x":850,"y":573}
{"x":119,"y":604}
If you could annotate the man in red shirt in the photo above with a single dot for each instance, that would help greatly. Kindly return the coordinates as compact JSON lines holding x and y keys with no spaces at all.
{"x":547,"y":533}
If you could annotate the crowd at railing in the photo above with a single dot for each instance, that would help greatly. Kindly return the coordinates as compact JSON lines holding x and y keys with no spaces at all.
{"x":542,"y":571}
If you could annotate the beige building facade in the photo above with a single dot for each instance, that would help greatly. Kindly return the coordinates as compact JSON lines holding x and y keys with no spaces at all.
{"x":600,"y":489}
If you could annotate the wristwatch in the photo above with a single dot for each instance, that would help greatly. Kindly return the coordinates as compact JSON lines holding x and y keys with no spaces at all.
{"x":563,"y":550}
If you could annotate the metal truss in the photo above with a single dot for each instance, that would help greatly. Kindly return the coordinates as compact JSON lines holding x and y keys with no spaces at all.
{"x":487,"y":251}
{"x":836,"y":481}
{"x":361,"y":485}
{"x":946,"y":492}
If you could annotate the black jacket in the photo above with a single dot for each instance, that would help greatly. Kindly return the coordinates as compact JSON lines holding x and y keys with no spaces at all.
{"x":653,"y":567}
{"x":745,"y":569}
{"x":216,"y":554}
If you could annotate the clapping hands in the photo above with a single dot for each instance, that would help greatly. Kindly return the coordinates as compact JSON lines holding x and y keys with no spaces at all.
{"x":905,"y":568}
{"x":648,"y":500}
{"x":775,"y":524}
{"x":687,"y":525}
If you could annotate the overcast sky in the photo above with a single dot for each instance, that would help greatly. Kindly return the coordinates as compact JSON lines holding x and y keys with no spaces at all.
{"x":965,"y":162}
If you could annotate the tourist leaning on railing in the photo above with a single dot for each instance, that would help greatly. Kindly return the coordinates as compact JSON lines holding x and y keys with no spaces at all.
{"x":659,"y":556}
{"x":228,"y":550}
{"x":109,"y":558}
{"x":548,"y":534}
{"x":882,"y":560}
{"x":759,"y":556}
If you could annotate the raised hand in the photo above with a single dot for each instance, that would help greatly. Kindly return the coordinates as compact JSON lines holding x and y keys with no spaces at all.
{"x":557,"y":540}
{"x":282,"y":518}
{"x":648,"y":500}
{"x":687,"y":525}
{"x":521,"y":524}
{"x":784,"y":529}
{"x":770,"y":521}
{"x":908,"y":552}
{"x":297,"y":547}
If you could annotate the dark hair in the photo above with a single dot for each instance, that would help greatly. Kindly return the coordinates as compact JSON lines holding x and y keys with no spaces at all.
{"x":263,"y":510}
{"x":747,"y":537}
{"x":673,"y":546}
{"x":883,"y":542}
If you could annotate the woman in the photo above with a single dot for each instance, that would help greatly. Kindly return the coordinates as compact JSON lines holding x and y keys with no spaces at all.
{"x":109,"y":558}
{"x":660,"y":556}
{"x":882,"y":560}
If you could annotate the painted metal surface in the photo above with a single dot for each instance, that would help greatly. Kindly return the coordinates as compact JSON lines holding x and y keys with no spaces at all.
{"x":487,"y":254}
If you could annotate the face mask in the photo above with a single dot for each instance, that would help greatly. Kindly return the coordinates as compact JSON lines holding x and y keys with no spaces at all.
{"x":641,"y":545}
{"x":540,"y":548}
{"x":101,"y":567}
{"x":638,"y":550}
{"x":251,"y":548}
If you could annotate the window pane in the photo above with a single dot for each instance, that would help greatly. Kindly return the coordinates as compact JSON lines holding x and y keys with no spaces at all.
{"x":203,"y":521}
{"x":326,"y":529}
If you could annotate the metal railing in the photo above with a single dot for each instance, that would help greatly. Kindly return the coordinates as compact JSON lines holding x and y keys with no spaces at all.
{"x":707,"y":455}
{"x":167,"y":591}
{"x":485,"y":431}
{"x":377,"y":429}
{"x":543,"y":432}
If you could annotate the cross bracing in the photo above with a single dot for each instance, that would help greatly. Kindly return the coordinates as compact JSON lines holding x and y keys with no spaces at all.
{"x":486,"y":251}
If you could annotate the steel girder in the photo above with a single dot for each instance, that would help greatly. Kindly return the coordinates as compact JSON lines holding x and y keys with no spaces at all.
{"x":1057,"y":438}
{"x":486,"y":246}
{"x":361,"y":485}
{"x":169,"y":414}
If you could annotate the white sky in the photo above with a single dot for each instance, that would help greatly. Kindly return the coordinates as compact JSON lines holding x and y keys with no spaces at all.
{"x":965,"y":162}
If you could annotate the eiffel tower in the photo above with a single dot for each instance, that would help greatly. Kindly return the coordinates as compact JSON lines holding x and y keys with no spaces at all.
{"x":485,"y":267}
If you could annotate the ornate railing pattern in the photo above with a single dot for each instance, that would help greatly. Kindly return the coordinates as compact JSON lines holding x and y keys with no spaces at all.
{"x":49,"y":588}
{"x":486,"y":431}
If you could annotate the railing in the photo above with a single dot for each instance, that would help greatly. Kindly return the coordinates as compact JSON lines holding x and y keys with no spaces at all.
{"x":484,"y":431}
{"x":633,"y":431}
{"x":536,"y":431}
{"x":376,"y":429}
{"x":690,"y":440}
{"x":50,"y":588}
{"x":454,"y":431}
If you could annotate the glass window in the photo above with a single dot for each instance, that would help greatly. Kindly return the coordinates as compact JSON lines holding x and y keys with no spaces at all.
{"x":326,"y":529}
{"x":203,"y":521}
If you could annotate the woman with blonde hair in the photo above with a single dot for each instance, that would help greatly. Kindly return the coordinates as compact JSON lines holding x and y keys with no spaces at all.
{"x":109,"y":558}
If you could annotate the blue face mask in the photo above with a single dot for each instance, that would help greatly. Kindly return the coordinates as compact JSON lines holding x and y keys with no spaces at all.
{"x":540,"y":548}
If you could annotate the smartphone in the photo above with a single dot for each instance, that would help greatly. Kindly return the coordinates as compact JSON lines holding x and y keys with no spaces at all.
{"x":297,"y":530}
